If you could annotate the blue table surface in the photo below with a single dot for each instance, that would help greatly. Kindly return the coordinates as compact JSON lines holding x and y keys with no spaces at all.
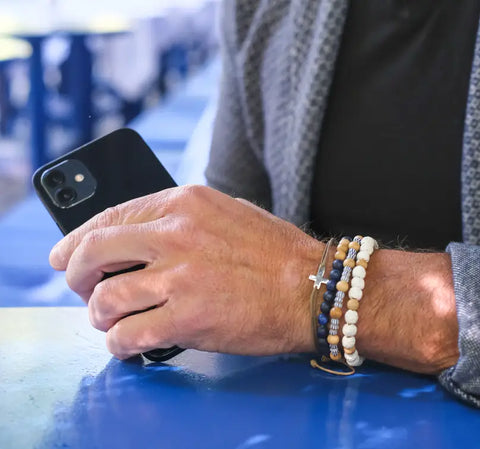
{"x":61,"y":389}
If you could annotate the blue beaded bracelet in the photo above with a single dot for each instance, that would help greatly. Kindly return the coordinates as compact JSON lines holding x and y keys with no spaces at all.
{"x":319,"y":280}
{"x":321,"y":312}
{"x":330,"y":294}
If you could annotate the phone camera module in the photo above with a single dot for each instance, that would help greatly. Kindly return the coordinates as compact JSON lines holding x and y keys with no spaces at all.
{"x":66,"y":196}
{"x":68,"y":183}
{"x":55,"y":178}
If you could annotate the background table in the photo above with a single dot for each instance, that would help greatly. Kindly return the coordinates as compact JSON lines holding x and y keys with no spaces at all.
{"x":10,"y":50}
{"x":81,"y":76}
{"x":60,"y":388}
{"x":74,"y":20}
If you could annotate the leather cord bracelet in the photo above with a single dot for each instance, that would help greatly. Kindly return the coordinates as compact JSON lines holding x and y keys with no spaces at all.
{"x":321,"y":344}
{"x":319,"y":279}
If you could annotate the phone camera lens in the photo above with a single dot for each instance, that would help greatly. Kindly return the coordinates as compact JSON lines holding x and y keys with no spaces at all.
{"x":66,"y":196}
{"x":55,"y":178}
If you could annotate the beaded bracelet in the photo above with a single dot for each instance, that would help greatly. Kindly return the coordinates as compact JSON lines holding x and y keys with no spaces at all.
{"x":342,"y":287}
{"x":321,"y":312}
{"x":318,"y":280}
{"x":367,"y":246}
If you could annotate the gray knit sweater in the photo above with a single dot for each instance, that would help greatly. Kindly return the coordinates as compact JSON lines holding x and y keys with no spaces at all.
{"x":278,"y":64}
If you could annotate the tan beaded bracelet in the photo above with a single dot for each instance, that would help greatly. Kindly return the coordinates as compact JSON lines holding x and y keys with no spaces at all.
{"x":342,"y":288}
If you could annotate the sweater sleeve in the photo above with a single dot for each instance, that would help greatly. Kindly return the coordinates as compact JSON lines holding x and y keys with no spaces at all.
{"x":463,"y":379}
{"x":234,"y":167}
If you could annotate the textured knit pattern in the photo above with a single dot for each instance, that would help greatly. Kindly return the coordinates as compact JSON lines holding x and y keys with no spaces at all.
{"x":464,"y":378}
{"x":471,"y":152}
{"x":279,"y":60}
{"x":279,"y":57}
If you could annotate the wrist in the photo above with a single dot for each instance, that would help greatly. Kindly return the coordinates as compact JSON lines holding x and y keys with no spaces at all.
{"x":408,"y":315}
{"x":310,"y":256}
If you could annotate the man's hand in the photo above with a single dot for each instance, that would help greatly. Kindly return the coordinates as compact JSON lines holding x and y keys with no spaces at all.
{"x":221,"y":275}
{"x":224,"y":275}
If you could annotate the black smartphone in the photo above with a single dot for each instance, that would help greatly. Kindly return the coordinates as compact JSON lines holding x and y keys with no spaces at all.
{"x":108,"y":171}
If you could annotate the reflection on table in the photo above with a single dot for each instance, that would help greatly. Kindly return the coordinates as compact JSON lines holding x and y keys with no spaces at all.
{"x":60,"y":388}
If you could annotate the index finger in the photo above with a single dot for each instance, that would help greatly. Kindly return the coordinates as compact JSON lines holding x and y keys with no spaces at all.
{"x":139,"y":210}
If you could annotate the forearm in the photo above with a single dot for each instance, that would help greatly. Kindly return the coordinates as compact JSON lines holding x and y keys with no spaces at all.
{"x":407,"y":316}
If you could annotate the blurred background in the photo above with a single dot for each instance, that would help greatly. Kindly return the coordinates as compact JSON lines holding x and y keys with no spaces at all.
{"x":72,"y":70}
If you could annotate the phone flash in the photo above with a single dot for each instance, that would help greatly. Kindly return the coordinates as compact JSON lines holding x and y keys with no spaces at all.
{"x":79,"y":177}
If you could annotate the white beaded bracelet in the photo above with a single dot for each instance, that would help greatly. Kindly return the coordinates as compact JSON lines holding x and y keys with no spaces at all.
{"x":367,"y":246}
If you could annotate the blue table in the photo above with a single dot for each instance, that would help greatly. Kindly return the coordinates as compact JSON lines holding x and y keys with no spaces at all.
{"x":60,"y":388}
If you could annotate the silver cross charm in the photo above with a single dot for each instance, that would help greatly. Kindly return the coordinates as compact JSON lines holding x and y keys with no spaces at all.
{"x":319,"y":278}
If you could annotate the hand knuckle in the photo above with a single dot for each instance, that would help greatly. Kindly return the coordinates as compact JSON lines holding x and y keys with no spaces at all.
{"x":70,"y":279}
{"x":95,"y":318}
{"x":101,"y":295}
{"x":195,"y":192}
{"x":168,"y":335}
{"x":92,"y":239}
{"x":101,"y":305}
{"x":197,"y":318}
{"x":181,"y":277}
{"x":176,"y":233}
{"x":115,"y":340}
{"x":112,"y":346}
{"x":191,"y":320}
{"x":185,"y":230}
{"x":108,"y":217}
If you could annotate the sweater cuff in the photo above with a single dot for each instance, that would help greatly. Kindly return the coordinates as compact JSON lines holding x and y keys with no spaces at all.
{"x":463,"y":379}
